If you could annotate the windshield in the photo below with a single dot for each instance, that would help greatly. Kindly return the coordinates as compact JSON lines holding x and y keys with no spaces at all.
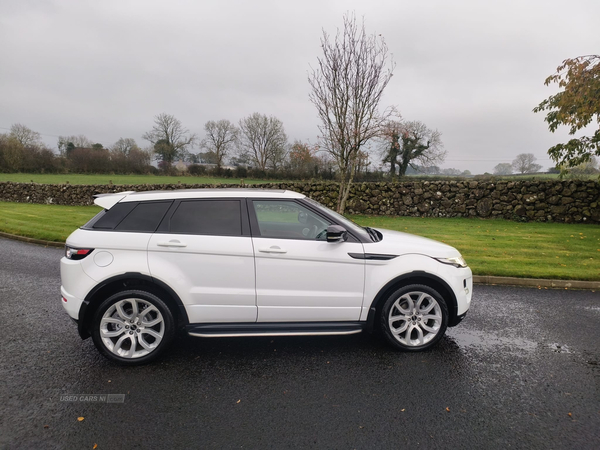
{"x":347,"y":223}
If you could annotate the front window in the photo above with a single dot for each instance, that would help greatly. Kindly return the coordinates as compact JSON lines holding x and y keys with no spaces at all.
{"x":345,"y":222}
{"x":289,"y":220}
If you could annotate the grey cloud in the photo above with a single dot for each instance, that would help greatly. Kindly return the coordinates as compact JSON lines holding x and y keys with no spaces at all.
{"x":472,"y":69}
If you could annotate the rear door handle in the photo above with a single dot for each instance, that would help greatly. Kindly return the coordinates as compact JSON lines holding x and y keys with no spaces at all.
{"x":173,"y":243}
{"x":274,"y":249}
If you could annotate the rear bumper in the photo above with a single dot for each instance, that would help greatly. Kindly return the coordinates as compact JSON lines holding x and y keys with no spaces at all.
{"x":70,"y":303}
{"x":73,"y":306}
{"x":83,"y":333}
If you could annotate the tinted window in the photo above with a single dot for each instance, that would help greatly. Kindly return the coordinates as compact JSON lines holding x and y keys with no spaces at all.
{"x":288,"y":220}
{"x":93,"y":220}
{"x":145,"y":217}
{"x":215,"y":217}
{"x":114,"y":215}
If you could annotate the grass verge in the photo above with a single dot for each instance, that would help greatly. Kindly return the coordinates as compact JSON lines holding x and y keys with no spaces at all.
{"x":74,"y":178}
{"x":491,"y":247}
{"x":510,"y":249}
{"x":47,"y":222}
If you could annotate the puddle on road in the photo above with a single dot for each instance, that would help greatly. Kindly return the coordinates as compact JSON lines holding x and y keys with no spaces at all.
{"x":488,"y":341}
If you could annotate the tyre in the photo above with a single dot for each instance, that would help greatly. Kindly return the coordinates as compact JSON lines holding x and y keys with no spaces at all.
{"x":414,"y":318}
{"x":132,"y":327}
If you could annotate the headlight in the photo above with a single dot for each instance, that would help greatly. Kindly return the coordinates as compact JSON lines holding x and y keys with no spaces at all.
{"x":456,"y":261}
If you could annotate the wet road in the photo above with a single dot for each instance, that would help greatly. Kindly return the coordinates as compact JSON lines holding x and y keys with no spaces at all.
{"x":522,"y":371}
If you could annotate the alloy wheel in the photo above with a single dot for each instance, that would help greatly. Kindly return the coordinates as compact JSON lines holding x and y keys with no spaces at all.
{"x":132,"y":328}
{"x":415,"y":319}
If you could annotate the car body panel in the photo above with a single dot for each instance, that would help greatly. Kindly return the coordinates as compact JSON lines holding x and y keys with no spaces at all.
{"x":213,"y":275}
{"x":75,"y":286}
{"x":114,"y":253}
{"x":311,"y":281}
{"x":414,"y":253}
{"x":399,"y":243}
{"x":184,"y":194}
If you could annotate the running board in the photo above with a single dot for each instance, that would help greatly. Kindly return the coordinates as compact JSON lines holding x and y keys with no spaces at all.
{"x":275,"y":329}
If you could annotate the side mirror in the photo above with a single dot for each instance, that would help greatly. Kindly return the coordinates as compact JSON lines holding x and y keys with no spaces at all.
{"x":336,"y":233}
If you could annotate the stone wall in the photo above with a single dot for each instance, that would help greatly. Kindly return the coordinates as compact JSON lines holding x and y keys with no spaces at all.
{"x":556,"y":201}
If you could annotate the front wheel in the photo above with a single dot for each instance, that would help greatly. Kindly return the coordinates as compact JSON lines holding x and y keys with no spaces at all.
{"x":414,"y":318}
{"x":132,"y":327}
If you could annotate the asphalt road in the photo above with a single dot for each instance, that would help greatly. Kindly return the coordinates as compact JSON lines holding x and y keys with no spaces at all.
{"x":521,"y":371}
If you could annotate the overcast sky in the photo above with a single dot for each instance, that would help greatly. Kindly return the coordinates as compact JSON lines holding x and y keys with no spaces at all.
{"x":473,"y":69}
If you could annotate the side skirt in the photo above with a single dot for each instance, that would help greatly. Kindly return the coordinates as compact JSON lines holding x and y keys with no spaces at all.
{"x":274,"y":329}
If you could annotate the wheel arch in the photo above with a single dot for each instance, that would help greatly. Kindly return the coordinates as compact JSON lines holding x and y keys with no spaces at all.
{"x":126,"y":281}
{"x":415,"y":277}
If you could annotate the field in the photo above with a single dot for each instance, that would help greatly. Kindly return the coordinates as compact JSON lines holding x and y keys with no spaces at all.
{"x":118,"y":179}
{"x":161,"y":179}
{"x":491,"y":247}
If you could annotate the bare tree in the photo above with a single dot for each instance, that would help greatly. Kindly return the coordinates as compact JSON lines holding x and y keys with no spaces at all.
{"x":221,"y":137}
{"x":124,"y":146}
{"x":408,"y":144}
{"x":525,"y":163}
{"x":263,"y":139}
{"x":69,"y":142}
{"x":346,"y":90}
{"x":25,"y":135}
{"x":503,"y":169}
{"x":169,"y":138}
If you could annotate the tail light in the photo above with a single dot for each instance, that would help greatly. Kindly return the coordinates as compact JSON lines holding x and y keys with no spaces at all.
{"x":77,"y":253}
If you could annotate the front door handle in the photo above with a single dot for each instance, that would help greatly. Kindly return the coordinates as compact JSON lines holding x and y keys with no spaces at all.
{"x":173,"y":243}
{"x":273,"y":249}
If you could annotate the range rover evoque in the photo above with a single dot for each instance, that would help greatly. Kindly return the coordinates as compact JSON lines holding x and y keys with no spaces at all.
{"x":249,"y":262}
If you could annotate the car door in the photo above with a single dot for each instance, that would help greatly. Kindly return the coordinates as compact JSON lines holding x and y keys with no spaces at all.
{"x":300,"y":277}
{"x":203,"y":250}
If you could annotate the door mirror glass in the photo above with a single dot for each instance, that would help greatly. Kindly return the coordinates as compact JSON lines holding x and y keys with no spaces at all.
{"x":336,"y":233}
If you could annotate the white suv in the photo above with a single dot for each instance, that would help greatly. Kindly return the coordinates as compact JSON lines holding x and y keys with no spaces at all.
{"x":244,"y":262}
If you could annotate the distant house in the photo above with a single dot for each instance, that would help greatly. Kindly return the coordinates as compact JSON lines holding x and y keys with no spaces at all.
{"x":214,"y":166}
{"x":182,"y":166}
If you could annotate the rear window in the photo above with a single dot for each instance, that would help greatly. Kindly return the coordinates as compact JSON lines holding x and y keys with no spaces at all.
{"x":144,"y":218}
{"x":212,"y":217}
{"x":113,"y":216}
{"x":130,"y":216}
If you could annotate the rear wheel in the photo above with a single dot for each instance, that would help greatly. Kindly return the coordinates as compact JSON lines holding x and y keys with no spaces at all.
{"x":414,"y":318}
{"x":132,"y":327}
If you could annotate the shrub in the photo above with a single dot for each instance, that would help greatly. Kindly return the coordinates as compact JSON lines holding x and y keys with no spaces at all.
{"x":196,"y":169}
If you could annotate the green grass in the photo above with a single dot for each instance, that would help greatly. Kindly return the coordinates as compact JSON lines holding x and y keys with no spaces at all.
{"x":47,"y":222}
{"x":491,"y":247}
{"x":161,"y":179}
{"x":76,"y":178}
{"x":512,"y":249}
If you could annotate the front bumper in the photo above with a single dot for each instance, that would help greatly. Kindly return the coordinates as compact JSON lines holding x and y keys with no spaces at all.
{"x":460,"y":280}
